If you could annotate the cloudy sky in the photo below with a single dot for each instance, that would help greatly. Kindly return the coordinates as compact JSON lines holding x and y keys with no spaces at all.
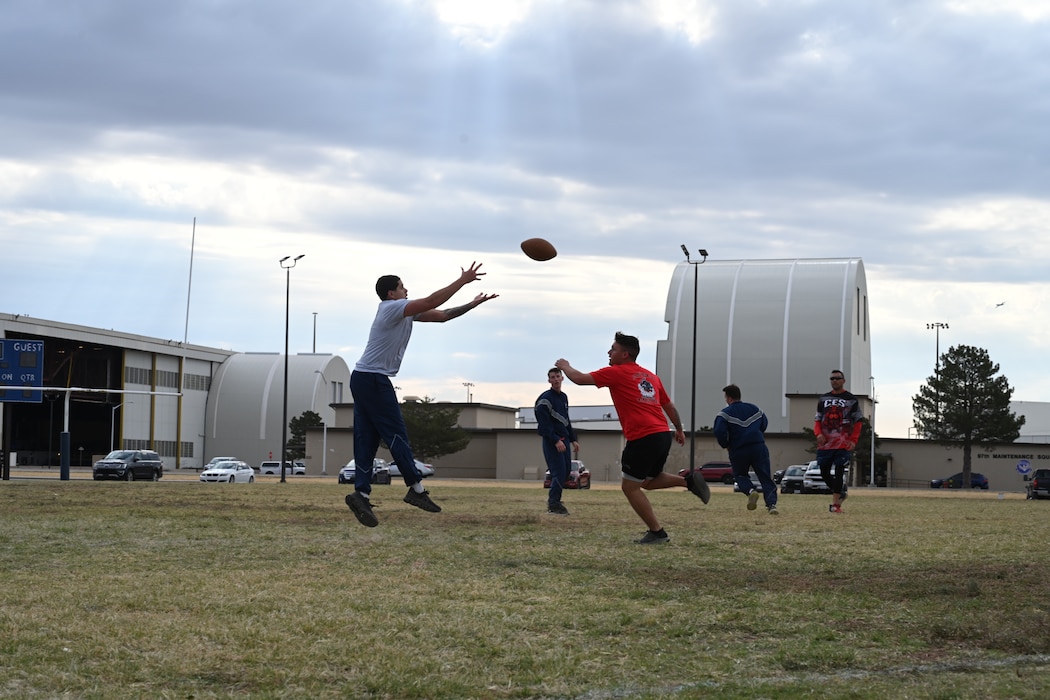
{"x":415,"y":136}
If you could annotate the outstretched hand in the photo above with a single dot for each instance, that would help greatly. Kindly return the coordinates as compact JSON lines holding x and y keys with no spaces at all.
{"x":470,"y":274}
{"x":481,"y":298}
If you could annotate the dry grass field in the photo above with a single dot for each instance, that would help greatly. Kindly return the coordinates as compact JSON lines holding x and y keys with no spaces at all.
{"x":178,"y":589}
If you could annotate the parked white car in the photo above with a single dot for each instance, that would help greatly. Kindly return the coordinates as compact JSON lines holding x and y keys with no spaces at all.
{"x":380,"y":472}
{"x":425,"y":470}
{"x":216,"y":460}
{"x":272,"y":466}
{"x":754,"y":481}
{"x":813,"y":480}
{"x":231,"y":471}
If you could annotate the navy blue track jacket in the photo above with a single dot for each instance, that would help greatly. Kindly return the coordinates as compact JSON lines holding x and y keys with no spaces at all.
{"x":740,"y":424}
{"x":552,"y":416}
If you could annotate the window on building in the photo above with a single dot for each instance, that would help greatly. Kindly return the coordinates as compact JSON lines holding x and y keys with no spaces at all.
{"x":138,"y":375}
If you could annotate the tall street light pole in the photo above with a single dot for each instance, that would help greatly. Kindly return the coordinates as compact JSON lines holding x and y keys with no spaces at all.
{"x":468,"y":385}
{"x":287,"y":267}
{"x":937,"y":327}
{"x":692,"y":378}
{"x":324,"y":426}
{"x":112,"y":425}
{"x":871,"y":429}
{"x":937,"y":365}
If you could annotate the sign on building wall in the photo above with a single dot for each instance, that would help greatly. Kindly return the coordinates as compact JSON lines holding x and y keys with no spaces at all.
{"x":21,"y":365}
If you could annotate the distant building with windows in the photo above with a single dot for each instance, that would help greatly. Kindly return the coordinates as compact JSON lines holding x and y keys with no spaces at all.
{"x":776,"y":328}
{"x":187,"y":402}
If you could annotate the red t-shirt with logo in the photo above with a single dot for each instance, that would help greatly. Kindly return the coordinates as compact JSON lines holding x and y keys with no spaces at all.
{"x":639,"y":397}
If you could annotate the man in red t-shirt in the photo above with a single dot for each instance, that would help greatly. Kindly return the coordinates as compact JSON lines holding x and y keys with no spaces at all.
{"x":641,"y":403}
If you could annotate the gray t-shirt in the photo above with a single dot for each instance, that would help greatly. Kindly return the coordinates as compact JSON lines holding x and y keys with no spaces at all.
{"x":387,"y":340}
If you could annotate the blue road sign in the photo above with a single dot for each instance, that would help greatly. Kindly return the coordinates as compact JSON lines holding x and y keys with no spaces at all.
{"x":21,"y":365}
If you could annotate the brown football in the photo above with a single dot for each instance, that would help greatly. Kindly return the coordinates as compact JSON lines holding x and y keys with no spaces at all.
{"x":538,"y":249}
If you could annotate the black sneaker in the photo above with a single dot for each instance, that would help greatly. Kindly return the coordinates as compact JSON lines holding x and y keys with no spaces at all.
{"x":421,"y":500}
{"x":651,"y":537}
{"x":558,"y":509}
{"x":697,"y":484}
{"x":362,"y":509}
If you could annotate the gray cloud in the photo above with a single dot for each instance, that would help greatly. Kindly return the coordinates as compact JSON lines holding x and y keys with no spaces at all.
{"x":815,"y":129}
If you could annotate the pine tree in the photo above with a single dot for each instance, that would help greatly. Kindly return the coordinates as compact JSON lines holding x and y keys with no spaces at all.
{"x":433,"y":430}
{"x":964,"y":401}
{"x":297,"y":428}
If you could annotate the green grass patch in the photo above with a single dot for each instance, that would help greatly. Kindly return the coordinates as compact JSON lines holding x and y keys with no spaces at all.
{"x":180,"y":589}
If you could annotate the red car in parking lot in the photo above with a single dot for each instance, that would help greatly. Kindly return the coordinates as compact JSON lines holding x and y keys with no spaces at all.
{"x":579,"y":477}
{"x":714,"y":471}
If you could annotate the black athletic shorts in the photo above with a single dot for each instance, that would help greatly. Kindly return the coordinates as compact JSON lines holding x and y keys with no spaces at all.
{"x":644,"y":458}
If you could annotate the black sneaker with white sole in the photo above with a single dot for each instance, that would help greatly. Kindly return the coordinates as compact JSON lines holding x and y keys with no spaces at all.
{"x":421,"y":500}
{"x":557,"y":509}
{"x":362,"y":509}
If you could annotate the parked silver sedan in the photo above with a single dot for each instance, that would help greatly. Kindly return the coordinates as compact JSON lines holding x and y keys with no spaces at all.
{"x":380,"y":472}
{"x":232,"y":471}
{"x":793,"y":479}
{"x":425,"y":470}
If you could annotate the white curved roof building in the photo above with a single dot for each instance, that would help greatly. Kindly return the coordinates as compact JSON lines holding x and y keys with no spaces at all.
{"x":775,"y":328}
{"x":245,"y":404}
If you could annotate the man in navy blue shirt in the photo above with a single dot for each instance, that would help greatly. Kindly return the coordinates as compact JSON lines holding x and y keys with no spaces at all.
{"x":740,"y":427}
{"x":559,"y":439}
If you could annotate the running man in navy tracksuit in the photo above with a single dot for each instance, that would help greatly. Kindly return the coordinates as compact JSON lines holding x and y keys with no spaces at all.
{"x":740,"y":428}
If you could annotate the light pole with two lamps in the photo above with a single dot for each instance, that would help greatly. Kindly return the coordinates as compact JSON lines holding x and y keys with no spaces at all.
{"x":692,"y":379}
{"x":937,"y":327}
{"x":937,"y":365}
{"x":287,"y":267}
{"x":468,"y":385}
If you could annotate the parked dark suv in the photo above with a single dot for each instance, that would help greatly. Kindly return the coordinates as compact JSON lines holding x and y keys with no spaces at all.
{"x":955,"y":481}
{"x":129,"y":465}
{"x":1038,"y":485}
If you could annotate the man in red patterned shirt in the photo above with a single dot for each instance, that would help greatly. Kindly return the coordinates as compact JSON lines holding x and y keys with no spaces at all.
{"x":837,"y":427}
{"x":641,"y":404}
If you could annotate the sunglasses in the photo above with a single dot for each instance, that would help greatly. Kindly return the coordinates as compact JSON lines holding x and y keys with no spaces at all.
{"x":836,"y":379}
